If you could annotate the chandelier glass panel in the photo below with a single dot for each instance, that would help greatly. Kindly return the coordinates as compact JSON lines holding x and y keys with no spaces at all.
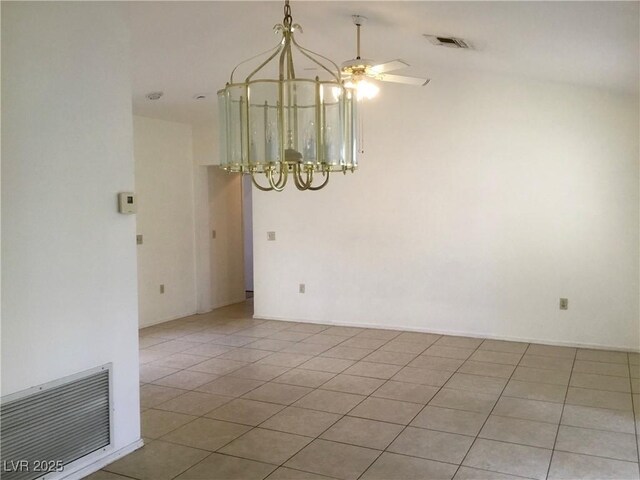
{"x":277,"y":128}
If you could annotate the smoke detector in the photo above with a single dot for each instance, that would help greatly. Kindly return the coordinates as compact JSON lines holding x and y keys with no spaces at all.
{"x":450,"y":42}
{"x":154,"y":95}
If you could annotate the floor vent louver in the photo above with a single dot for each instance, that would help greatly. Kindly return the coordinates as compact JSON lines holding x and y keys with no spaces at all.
{"x":46,"y":428}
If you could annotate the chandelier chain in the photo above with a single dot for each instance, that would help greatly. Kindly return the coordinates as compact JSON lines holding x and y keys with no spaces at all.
{"x":288,"y":19}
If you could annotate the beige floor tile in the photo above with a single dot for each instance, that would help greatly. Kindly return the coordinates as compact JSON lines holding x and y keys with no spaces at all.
{"x":379,"y":333}
{"x":156,"y":423}
{"x":324,"y":339}
{"x":602,"y":356}
{"x":634,"y":358}
{"x":186,"y":379}
{"x":423,"y":376}
{"x":180,"y":360}
{"x":600,"y":382}
{"x":230,"y":386}
{"x":257,"y":371}
{"x":347,"y":353}
{"x":635,"y":385}
{"x":233,"y":340}
{"x":284,"y":473}
{"x":308,"y":328}
{"x":153,"y":395}
{"x":157,"y":461}
{"x":362,"y":342}
{"x":464,"y":400}
{"x":353,"y":384}
{"x":449,"y":420}
{"x":403,"y":347}
{"x":206,"y":434}
{"x":289,"y":336}
{"x":601,"y":368}
{"x":417,"y":337}
{"x":487,"y":369}
{"x":209,"y":350}
{"x":301,"y":421}
{"x":599,"y":398}
{"x":284,"y":359}
{"x":436,"y":363}
{"x":504,"y":358}
{"x":244,"y":354}
{"x":266,"y":446}
{"x":436,"y":350}
{"x":201,"y":337}
{"x":173,"y":346}
{"x":432,"y":445}
{"x":459,"y":342}
{"x":528,"y":409}
{"x":546,"y":362}
{"x":343,"y":331}
{"x":570,"y":466}
{"x":270,"y":345}
{"x":363,"y":432}
{"x":224,"y":467}
{"x":307,"y":348}
{"x":104,"y":475}
{"x":517,"y":430}
{"x":326,"y":364}
{"x":552,"y":351}
{"x":246,"y":412}
{"x":468,"y":473}
{"x":540,"y":375}
{"x":391,"y":466}
{"x":304,"y":378}
{"x":218,"y":366}
{"x":373,"y":370}
{"x":406,"y":392}
{"x":619,"y":446}
{"x":278,"y":393}
{"x":393,"y":358}
{"x":194,"y":403}
{"x":148,"y":341}
{"x":535,"y":391}
{"x":151,"y":373}
{"x":598,"y":418}
{"x":634,"y":371}
{"x":503,"y":346}
{"x":337,"y":460}
{"x":476,"y":383}
{"x":509,"y":458}
{"x":330,"y":401}
{"x":386,"y":410}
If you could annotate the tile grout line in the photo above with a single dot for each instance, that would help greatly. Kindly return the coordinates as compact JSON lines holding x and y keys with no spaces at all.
{"x":635,"y":415}
{"x":566,"y":394}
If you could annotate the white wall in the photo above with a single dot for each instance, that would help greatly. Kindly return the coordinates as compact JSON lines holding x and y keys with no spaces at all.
{"x":69,"y":260}
{"x":481,"y":200}
{"x":165,"y":218}
{"x":220,"y":260}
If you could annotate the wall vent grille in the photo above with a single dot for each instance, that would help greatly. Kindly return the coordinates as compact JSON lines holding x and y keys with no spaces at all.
{"x":46,"y":428}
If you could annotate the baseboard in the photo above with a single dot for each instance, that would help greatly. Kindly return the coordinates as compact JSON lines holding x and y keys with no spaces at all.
{"x":454,"y":333}
{"x":83,"y":471}
{"x":158,"y":322}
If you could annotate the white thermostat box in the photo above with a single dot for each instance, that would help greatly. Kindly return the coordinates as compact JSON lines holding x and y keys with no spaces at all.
{"x":127,"y":202}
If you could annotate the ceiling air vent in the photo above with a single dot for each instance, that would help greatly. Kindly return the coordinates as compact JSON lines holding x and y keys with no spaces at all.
{"x":451,"y":42}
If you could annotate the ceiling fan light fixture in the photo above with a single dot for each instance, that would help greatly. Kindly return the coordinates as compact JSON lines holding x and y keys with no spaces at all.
{"x":288,"y":126}
{"x":366,"y":89}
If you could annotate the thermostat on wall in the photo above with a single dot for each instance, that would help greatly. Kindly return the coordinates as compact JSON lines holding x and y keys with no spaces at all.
{"x":127,"y":202}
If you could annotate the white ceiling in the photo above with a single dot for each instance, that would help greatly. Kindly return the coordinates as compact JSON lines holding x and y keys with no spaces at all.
{"x":186,"y":48}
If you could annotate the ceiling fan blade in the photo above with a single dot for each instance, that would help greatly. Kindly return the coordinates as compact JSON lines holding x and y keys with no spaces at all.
{"x":386,"y":77}
{"x":389,"y":66}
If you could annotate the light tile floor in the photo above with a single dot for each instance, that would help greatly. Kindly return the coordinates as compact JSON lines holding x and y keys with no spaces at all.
{"x":225,"y":396}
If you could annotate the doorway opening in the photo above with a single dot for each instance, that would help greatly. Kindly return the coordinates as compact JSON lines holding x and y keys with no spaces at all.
{"x":247,"y":234}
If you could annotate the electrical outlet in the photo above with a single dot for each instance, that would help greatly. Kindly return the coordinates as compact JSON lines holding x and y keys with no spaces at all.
{"x":301,"y":288}
{"x":271,"y":236}
{"x":213,"y":234}
{"x":138,"y":239}
{"x":162,"y":288}
{"x":564,"y":304}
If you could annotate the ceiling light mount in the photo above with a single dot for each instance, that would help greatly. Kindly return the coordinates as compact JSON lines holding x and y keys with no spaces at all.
{"x":154,"y":95}
{"x":288,"y":126}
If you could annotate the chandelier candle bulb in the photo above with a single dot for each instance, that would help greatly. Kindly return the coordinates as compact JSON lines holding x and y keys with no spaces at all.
{"x":288,"y":127}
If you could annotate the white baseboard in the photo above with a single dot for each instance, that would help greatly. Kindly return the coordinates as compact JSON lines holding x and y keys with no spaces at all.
{"x":454,"y":333}
{"x":81,"y":471}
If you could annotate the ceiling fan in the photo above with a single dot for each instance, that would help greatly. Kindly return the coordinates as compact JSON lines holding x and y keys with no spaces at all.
{"x":356,"y":71}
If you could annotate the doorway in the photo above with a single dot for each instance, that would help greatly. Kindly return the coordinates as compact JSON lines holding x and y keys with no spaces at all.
{"x":247,"y":234}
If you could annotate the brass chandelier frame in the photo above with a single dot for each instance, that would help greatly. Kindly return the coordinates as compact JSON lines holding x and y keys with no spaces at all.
{"x":291,"y":162}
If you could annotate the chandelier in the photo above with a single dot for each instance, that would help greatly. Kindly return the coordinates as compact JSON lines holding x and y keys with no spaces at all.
{"x":277,"y":128}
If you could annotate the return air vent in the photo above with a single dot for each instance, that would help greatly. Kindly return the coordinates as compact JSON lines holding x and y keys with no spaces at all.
{"x":451,"y":42}
{"x":46,"y":428}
